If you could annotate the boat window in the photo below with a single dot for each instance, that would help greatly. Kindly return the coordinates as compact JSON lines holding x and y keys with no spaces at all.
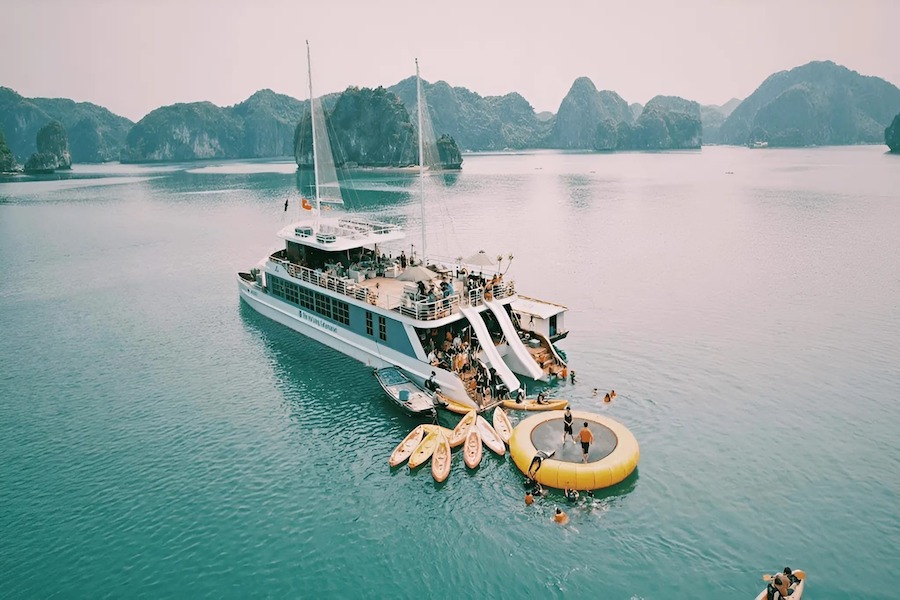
{"x":369,"y":330}
{"x":382,"y":328}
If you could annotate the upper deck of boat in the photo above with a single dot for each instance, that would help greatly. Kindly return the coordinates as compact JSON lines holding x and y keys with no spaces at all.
{"x":383,"y":288}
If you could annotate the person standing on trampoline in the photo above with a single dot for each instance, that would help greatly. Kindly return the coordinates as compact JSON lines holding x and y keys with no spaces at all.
{"x":567,"y":426}
{"x":587,"y":438}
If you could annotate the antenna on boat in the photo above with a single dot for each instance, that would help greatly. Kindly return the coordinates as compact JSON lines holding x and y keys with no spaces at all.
{"x":421,"y":163}
{"x":312,"y":122}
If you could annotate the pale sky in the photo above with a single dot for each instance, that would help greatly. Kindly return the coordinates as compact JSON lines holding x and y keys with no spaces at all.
{"x":133,"y":56}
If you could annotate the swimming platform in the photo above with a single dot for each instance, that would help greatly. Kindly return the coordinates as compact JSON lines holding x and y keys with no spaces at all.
{"x":612,"y":457}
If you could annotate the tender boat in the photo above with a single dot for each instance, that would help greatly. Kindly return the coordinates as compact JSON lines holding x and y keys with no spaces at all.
{"x":440,"y":460}
{"x":472,"y":449}
{"x":348,"y":283}
{"x":405,"y":448}
{"x":404,"y":392}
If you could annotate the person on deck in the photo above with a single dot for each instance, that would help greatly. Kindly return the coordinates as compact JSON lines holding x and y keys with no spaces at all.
{"x":402,"y":259}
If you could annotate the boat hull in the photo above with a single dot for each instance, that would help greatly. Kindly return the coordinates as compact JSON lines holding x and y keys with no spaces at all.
{"x":346,"y":342}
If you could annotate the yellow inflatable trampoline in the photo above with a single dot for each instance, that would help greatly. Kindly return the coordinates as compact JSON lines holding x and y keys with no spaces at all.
{"x":611,"y":458}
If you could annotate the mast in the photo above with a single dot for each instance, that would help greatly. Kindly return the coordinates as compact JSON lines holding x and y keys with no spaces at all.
{"x":421,"y":163}
{"x":312,"y":123}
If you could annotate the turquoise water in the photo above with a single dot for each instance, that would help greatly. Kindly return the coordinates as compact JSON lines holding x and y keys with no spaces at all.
{"x":160,"y":439}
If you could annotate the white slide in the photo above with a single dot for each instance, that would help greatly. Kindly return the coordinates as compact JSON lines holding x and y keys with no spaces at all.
{"x":493,"y":357}
{"x":519,"y":359}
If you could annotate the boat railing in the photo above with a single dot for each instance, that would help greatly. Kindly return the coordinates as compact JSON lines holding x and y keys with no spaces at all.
{"x":498,"y":291}
{"x":423,"y":310}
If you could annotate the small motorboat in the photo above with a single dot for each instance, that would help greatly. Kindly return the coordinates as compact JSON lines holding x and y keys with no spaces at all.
{"x":404,"y":392}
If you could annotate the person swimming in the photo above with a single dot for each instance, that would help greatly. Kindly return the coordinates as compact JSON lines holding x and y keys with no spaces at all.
{"x":560,"y":517}
{"x":571,"y":495}
{"x":537,"y":461}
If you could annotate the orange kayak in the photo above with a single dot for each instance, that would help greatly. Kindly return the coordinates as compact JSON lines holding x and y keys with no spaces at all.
{"x":490,"y":437}
{"x":458,"y":436}
{"x":440,"y":460}
{"x":424,"y":450}
{"x":438,"y":429}
{"x":406,"y":447}
{"x":472,"y":449}
{"x":502,"y":425}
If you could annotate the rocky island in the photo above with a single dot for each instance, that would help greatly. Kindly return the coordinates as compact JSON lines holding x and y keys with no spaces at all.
{"x":8,"y":162}
{"x":892,"y":135}
{"x":52,"y":150}
{"x":371,"y":128}
{"x":816,"y":104}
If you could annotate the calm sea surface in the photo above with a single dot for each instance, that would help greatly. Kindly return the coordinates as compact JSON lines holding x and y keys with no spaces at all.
{"x":160,"y":439}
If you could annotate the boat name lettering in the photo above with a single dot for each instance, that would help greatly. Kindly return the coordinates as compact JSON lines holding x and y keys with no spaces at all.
{"x":318,"y":322}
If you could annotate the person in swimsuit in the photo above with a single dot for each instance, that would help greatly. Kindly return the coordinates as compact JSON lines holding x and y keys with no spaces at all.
{"x":560,"y":517}
{"x":587,"y":438}
{"x":572,"y":495}
{"x":567,"y":426}
{"x":536,"y":462}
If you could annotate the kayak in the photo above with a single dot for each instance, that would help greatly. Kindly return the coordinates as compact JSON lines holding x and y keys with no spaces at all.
{"x":440,"y":460}
{"x":462,"y":428}
{"x":552,"y":404}
{"x":453,"y":406}
{"x":502,"y":425}
{"x":490,"y":437}
{"x":424,"y":450}
{"x":472,"y":449}
{"x":437,"y":429}
{"x":406,"y":447}
{"x":797,"y":589}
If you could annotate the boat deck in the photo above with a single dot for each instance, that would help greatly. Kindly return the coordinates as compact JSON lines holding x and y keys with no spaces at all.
{"x":392,"y":293}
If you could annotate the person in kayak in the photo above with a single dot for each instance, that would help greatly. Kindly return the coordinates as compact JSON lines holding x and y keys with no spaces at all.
{"x":792,"y":579}
{"x":542,"y":398}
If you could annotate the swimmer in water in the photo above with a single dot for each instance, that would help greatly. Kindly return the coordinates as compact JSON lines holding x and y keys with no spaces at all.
{"x":560,"y":517}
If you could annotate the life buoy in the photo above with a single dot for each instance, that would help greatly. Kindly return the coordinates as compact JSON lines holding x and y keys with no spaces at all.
{"x":305,"y":204}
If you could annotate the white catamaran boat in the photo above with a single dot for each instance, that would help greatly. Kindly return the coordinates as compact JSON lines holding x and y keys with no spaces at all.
{"x":331,"y":284}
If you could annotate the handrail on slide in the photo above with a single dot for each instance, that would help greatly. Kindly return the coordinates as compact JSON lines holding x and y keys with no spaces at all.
{"x":522,"y":360}
{"x":493,"y":357}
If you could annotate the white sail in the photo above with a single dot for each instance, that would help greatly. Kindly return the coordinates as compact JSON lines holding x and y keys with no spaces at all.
{"x":327,"y":187}
{"x":430,"y":157}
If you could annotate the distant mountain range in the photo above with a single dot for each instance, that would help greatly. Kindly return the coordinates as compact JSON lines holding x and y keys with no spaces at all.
{"x":815,"y":104}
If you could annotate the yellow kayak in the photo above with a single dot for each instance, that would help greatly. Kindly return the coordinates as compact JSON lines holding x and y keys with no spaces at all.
{"x":502,"y":425}
{"x":437,"y":429}
{"x":424,"y":450}
{"x":440,"y":460}
{"x":406,"y":447}
{"x":455,"y":407}
{"x":458,"y":437}
{"x":552,"y":404}
{"x":796,"y":591}
{"x":472,"y":449}
{"x":490,"y":437}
